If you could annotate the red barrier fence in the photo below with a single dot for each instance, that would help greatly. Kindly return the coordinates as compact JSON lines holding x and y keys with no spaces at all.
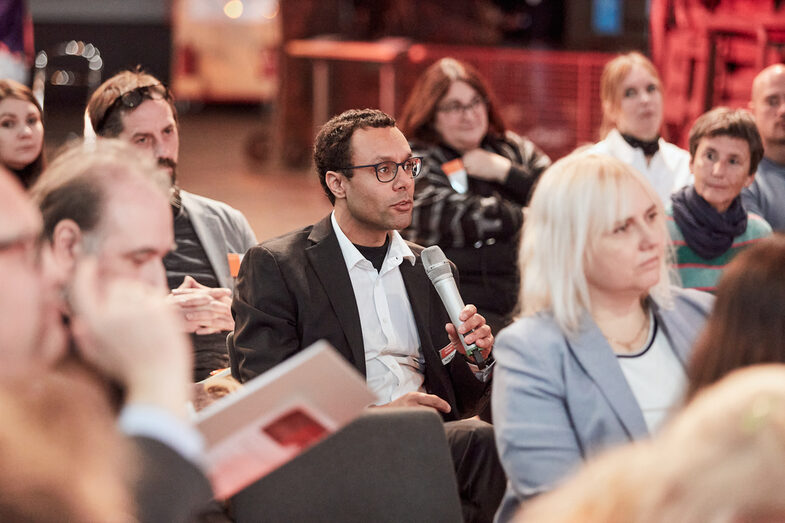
{"x":551,"y":97}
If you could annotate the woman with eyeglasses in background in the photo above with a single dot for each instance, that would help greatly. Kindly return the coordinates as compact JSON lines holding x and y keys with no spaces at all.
{"x":476,"y":178}
{"x":21,"y":132}
{"x":632,"y":114}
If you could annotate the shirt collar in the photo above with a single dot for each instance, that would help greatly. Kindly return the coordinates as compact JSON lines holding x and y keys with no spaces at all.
{"x":397,"y":252}
{"x":618,"y":142}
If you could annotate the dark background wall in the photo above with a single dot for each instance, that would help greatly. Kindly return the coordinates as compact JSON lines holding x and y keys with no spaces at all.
{"x":131,"y":32}
{"x":126,"y":32}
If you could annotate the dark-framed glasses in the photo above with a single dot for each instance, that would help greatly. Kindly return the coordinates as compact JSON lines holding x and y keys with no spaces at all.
{"x":386,"y":171}
{"x":457,"y":108}
{"x":134,"y":98}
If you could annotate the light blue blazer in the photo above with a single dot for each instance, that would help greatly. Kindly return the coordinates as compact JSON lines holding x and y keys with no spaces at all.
{"x":221,"y":229}
{"x":558,"y":400}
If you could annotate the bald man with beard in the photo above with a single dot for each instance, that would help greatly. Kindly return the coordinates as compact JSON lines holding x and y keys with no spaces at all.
{"x":766,"y":196}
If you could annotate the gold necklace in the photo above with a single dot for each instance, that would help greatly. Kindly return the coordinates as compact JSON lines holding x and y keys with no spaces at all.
{"x":629,"y":344}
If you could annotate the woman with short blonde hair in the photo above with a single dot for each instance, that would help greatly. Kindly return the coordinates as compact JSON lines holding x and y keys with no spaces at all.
{"x":579,"y":197}
{"x":598,"y":357}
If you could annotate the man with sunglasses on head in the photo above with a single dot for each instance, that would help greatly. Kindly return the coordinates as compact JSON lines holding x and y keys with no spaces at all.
{"x":135,"y":107}
{"x":351,"y":279}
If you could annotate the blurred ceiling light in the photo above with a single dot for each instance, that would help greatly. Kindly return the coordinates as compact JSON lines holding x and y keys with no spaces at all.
{"x":233,"y":9}
{"x":273,"y":12}
{"x":72,"y":47}
{"x":41,"y":59}
{"x":61,"y":77}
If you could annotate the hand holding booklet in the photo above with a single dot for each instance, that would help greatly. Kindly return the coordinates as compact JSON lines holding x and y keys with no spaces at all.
{"x":278,"y":414}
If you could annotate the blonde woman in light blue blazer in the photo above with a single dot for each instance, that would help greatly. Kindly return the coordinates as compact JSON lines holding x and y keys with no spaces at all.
{"x":598,"y":356}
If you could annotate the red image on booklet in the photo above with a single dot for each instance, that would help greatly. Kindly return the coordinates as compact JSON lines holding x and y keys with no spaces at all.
{"x":296,"y":429}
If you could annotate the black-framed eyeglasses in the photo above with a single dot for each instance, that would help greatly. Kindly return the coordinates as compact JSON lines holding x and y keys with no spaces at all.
{"x":457,"y":108}
{"x":134,"y":98}
{"x":386,"y":171}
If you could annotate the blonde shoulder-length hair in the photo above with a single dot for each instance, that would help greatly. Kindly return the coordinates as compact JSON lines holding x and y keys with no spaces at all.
{"x":579,"y":198}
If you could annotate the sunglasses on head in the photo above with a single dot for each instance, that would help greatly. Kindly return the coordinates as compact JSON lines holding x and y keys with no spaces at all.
{"x":134,"y":98}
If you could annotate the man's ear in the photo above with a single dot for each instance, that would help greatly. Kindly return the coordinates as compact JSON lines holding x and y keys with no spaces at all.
{"x":66,"y":244}
{"x":749,"y":180}
{"x":336,"y":183}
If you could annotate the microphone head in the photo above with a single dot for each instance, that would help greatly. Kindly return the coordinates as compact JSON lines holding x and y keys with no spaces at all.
{"x":436,"y":264}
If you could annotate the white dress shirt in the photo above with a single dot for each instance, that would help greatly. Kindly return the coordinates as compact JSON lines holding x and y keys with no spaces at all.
{"x":393,"y":358}
{"x":668,"y":171}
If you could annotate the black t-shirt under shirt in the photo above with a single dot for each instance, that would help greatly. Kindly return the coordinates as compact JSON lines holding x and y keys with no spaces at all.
{"x":375,"y":255}
{"x":190,"y":258}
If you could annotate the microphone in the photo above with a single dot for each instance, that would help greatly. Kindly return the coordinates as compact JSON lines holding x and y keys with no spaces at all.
{"x":437,"y":267}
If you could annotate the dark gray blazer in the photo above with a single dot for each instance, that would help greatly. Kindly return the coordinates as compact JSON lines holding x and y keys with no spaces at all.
{"x":295,"y":290}
{"x":558,"y":400}
{"x":168,"y":487}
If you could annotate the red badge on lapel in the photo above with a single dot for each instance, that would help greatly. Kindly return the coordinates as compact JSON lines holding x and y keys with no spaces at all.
{"x":447,"y":353}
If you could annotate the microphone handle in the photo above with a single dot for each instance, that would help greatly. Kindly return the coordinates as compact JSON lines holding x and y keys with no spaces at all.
{"x":453,"y":302}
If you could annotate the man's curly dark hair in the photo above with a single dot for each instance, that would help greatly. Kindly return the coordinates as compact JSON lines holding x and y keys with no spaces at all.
{"x":332,"y":147}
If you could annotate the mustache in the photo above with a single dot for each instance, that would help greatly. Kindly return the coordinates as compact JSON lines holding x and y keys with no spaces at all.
{"x":167,"y":162}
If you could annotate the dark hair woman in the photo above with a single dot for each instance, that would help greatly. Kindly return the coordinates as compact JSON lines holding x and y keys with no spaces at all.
{"x":476,"y":178}
{"x":747,"y":325}
{"x":706,"y":220}
{"x":21,"y":132}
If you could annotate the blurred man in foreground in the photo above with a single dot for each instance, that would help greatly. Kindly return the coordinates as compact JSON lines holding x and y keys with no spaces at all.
{"x":119,"y":334}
